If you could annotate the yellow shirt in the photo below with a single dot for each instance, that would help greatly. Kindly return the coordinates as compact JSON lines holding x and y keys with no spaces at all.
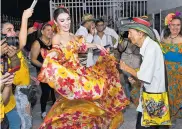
{"x":1,"y":108}
{"x":11,"y":104}
{"x":22,"y":76}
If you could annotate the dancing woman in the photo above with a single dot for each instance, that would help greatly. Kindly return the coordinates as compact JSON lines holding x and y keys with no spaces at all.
{"x":90,"y":97}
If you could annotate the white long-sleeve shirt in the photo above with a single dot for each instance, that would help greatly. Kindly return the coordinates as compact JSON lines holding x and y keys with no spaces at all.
{"x":112,"y":32}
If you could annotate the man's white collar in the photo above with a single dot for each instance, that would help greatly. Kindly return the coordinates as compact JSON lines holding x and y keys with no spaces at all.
{"x":143,"y":48}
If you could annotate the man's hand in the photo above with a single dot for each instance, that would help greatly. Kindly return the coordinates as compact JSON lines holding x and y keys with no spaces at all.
{"x":27,"y":13}
{"x":123,"y":66}
{"x":92,"y":29}
{"x":131,"y":80}
{"x":103,"y":50}
{"x":12,"y":50}
{"x":128,"y":69}
{"x":4,"y":47}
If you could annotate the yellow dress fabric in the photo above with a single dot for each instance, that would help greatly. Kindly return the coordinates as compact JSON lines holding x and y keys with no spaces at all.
{"x":22,"y":76}
{"x":90,"y":97}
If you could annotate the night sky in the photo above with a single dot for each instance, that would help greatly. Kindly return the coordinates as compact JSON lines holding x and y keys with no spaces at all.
{"x":15,"y":8}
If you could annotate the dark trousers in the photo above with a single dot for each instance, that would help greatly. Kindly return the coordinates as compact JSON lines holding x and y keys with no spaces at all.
{"x":138,"y":124}
{"x":46,"y":89}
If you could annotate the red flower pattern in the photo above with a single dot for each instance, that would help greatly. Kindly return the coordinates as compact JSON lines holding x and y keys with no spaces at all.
{"x":69,"y":83}
{"x":97,"y":89}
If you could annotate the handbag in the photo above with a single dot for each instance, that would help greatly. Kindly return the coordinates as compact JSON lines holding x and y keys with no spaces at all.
{"x":156,"y":107}
{"x":31,"y":94}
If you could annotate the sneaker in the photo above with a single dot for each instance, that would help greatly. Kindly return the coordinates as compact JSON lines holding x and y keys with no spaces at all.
{"x":43,"y":115}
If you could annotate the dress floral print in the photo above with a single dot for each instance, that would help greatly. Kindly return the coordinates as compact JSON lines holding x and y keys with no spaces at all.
{"x":90,"y":97}
{"x":173,"y":61}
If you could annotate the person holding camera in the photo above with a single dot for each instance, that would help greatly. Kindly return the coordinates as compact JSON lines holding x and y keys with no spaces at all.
{"x":8,"y":102}
{"x":22,"y":76}
{"x":131,"y":56}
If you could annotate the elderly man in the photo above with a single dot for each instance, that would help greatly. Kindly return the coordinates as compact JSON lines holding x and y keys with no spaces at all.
{"x":151,"y":72}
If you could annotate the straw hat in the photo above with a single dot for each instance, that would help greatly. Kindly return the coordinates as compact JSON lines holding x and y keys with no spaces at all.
{"x":87,"y":17}
{"x":138,"y":26}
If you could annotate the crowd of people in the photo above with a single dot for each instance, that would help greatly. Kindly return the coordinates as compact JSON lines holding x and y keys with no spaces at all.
{"x":96,"y":73}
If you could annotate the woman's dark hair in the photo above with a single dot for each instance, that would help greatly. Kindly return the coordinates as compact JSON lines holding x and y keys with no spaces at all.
{"x":44,"y":25}
{"x":167,"y":30}
{"x":59,"y":11}
{"x":3,"y":23}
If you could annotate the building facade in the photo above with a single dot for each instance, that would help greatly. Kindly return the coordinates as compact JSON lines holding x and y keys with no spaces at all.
{"x":158,"y":9}
{"x":113,"y":10}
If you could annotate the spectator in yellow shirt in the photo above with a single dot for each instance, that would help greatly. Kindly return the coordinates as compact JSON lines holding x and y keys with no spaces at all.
{"x":8,"y":102}
{"x":22,"y":83}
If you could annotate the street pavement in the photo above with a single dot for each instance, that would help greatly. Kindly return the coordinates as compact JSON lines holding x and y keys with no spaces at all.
{"x":129,"y":118}
{"x":129,"y":114}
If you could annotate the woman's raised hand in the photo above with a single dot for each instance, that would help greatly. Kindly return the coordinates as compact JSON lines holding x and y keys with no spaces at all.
{"x":27,"y":13}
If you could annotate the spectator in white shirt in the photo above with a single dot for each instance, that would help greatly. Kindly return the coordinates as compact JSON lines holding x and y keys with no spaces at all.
{"x":151,"y":71}
{"x":111,"y":32}
{"x":100,"y":37}
{"x":87,"y":30}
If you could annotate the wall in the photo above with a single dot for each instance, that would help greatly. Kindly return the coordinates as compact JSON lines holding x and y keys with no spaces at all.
{"x":154,"y":6}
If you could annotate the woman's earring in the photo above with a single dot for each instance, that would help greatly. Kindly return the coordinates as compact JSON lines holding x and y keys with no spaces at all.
{"x":57,"y":29}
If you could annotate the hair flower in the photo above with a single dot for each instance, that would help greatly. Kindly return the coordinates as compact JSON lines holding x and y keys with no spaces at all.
{"x":170,"y":17}
{"x":63,"y":7}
